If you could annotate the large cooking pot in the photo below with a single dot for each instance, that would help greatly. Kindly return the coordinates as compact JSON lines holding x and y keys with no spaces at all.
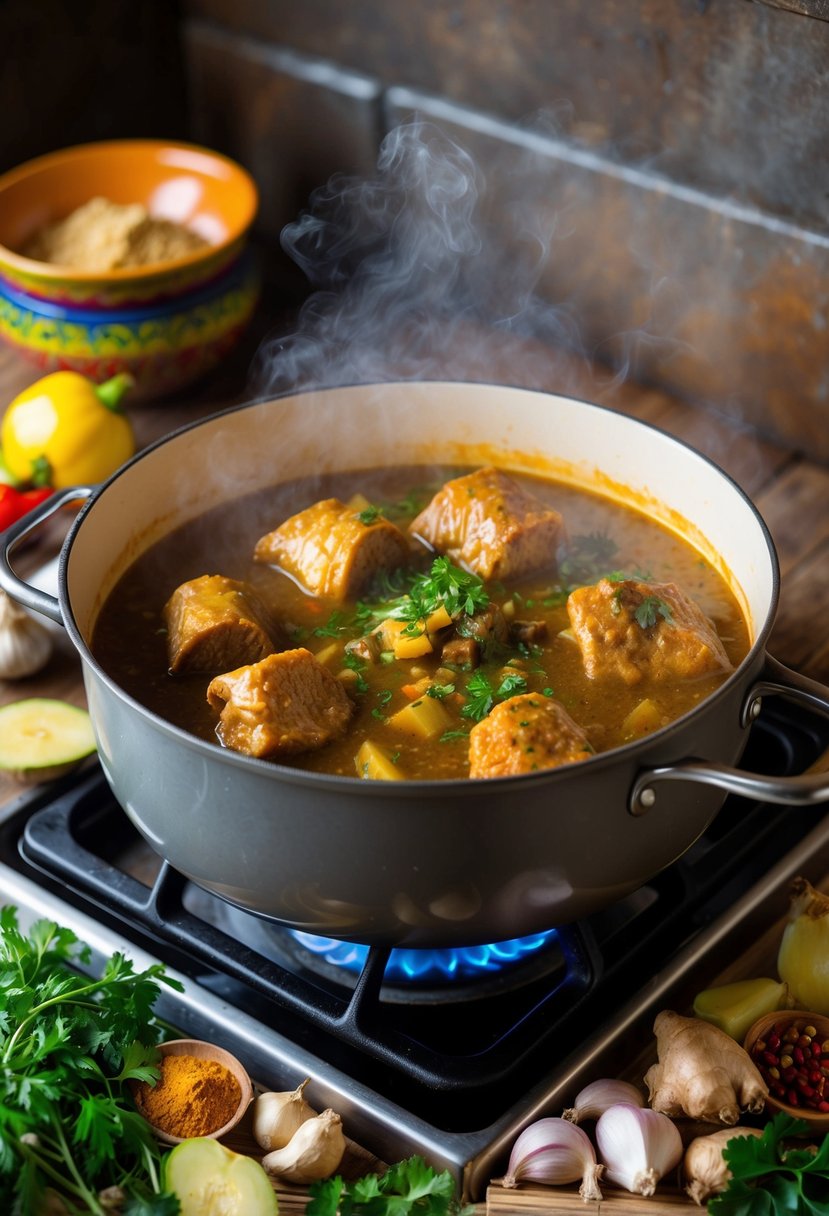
{"x":420,"y":863}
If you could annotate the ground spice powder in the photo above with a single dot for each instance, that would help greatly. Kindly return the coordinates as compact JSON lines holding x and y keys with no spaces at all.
{"x":193,"y":1097}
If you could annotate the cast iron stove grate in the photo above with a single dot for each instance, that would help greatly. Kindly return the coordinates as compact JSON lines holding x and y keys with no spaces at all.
{"x":476,"y":1053}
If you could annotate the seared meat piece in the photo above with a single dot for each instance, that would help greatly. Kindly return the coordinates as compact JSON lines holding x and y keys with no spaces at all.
{"x":522,"y":734}
{"x":487,"y":625}
{"x":528,"y":632}
{"x":215,"y":623}
{"x":330,"y":551}
{"x":633,"y":630}
{"x":491,"y":525}
{"x":285,"y":704}
{"x":461,"y":652}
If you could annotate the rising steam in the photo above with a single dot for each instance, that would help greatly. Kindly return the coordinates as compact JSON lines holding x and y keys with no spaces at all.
{"x":415,"y":274}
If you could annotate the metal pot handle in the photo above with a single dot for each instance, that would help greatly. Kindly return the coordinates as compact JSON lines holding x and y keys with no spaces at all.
{"x":808,"y":789}
{"x":14,"y":586}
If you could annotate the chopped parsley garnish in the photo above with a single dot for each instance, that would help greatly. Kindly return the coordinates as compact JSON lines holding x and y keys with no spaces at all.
{"x":439,"y":691}
{"x":333,"y":627}
{"x":649,"y":611}
{"x":481,"y":694}
{"x":354,"y":663}
{"x":458,"y":591}
{"x":449,"y":735}
{"x":370,"y":515}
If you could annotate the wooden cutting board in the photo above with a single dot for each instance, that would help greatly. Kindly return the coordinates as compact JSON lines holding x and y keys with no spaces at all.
{"x":535,"y":1200}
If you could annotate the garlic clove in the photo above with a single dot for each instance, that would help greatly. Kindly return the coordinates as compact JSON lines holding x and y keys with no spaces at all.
{"x":25,"y":644}
{"x":637,"y":1146}
{"x":554,"y":1152}
{"x":314,"y":1151}
{"x":276,"y":1116}
{"x":595,"y":1098}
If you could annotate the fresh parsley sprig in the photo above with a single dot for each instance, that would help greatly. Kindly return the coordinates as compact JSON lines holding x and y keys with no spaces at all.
{"x":410,"y":1188}
{"x":68,"y":1045}
{"x":771,"y":1177}
{"x":481,"y":693}
{"x":446,"y":585}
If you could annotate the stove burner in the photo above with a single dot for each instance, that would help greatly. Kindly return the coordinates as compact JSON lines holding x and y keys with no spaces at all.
{"x":429,"y":966}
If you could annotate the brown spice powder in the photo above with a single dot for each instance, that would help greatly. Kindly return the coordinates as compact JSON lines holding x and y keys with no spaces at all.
{"x":102,"y":235}
{"x":193,"y":1096}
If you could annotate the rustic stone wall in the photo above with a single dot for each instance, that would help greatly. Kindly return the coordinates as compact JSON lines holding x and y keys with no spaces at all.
{"x":667,"y":157}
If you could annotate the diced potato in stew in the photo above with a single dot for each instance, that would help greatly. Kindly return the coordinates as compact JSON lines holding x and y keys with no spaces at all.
{"x":550,"y":623}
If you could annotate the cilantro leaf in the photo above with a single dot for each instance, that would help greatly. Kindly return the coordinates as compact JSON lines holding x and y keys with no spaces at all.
{"x":409,"y":1188}
{"x":650,"y":609}
{"x":481,"y":694}
{"x":770,"y":1178}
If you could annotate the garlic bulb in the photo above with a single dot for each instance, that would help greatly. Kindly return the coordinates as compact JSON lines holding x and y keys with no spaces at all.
{"x":276,"y":1116}
{"x":638,"y":1146}
{"x":595,"y":1098}
{"x":314,"y":1151}
{"x":704,"y":1167}
{"x":803,"y":957}
{"x":25,"y":645}
{"x":554,"y":1152}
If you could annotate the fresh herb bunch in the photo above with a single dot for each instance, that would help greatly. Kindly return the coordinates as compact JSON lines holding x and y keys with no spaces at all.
{"x":771,"y":1177}
{"x":410,"y":1188}
{"x":68,"y":1045}
{"x":446,"y":585}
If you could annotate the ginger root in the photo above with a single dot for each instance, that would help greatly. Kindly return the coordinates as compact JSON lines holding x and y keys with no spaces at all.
{"x":701,"y":1072}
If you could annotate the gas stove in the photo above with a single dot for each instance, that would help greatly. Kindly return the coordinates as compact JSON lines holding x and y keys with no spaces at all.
{"x":445,"y":1053}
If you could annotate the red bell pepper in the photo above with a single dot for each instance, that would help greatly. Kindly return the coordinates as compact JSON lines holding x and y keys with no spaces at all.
{"x":14,"y":504}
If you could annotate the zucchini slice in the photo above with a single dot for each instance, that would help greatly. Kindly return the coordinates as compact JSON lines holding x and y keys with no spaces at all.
{"x":42,"y":738}
{"x":210,"y":1180}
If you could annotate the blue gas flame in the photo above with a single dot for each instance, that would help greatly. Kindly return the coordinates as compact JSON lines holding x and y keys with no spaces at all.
{"x":443,"y":964}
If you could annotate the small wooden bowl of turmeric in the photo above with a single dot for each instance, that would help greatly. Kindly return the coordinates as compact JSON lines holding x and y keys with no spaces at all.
{"x":790,"y":1047}
{"x":202,"y":1091}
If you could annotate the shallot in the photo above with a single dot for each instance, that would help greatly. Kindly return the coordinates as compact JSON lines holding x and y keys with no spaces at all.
{"x":595,"y":1098}
{"x":803,"y":957}
{"x":554,"y":1152}
{"x":637,"y":1146}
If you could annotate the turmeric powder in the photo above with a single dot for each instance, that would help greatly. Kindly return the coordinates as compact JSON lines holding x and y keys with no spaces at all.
{"x":192,"y":1097}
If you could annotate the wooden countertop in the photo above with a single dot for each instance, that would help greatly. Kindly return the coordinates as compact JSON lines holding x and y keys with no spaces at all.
{"x":791,"y":492}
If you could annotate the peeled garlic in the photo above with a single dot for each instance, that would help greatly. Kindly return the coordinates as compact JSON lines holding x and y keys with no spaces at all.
{"x":554,"y":1152}
{"x":803,"y":958}
{"x":314,"y":1151}
{"x":596,"y":1097}
{"x":25,"y":644}
{"x":276,"y":1116}
{"x":705,"y":1170}
{"x":638,"y":1146}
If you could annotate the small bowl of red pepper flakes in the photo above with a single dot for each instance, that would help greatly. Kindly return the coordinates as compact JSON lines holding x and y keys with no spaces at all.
{"x":791,"y":1050}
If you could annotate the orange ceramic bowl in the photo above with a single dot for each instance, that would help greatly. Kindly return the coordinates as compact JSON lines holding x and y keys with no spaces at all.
{"x":786,"y":1086}
{"x":166,"y":323}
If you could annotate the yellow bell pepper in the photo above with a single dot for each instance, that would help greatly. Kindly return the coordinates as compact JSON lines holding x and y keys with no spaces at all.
{"x":65,"y":430}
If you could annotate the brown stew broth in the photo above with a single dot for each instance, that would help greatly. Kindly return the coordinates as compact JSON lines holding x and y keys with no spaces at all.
{"x":130,"y":639}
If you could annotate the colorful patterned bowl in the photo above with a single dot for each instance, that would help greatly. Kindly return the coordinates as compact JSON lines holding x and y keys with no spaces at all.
{"x":166,"y":323}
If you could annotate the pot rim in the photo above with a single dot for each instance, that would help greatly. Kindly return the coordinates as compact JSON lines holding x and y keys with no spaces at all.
{"x":460,"y":786}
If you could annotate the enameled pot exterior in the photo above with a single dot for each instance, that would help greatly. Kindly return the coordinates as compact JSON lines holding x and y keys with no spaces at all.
{"x":415,"y":863}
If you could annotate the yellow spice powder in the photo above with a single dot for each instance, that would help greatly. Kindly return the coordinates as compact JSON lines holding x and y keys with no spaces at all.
{"x":102,"y":235}
{"x":193,"y":1097}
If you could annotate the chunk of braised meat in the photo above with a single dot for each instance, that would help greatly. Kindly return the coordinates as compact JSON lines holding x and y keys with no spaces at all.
{"x":366,"y":648}
{"x":524,"y":734}
{"x":216,"y":623}
{"x":528,"y":633}
{"x":472,"y":635}
{"x":636,"y":630}
{"x":491,"y":525}
{"x":464,"y":653}
{"x":331,"y":551}
{"x":287,"y":703}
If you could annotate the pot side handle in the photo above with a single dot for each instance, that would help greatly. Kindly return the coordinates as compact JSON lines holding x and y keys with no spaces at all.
{"x":808,"y":789}
{"x":15,"y":587}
